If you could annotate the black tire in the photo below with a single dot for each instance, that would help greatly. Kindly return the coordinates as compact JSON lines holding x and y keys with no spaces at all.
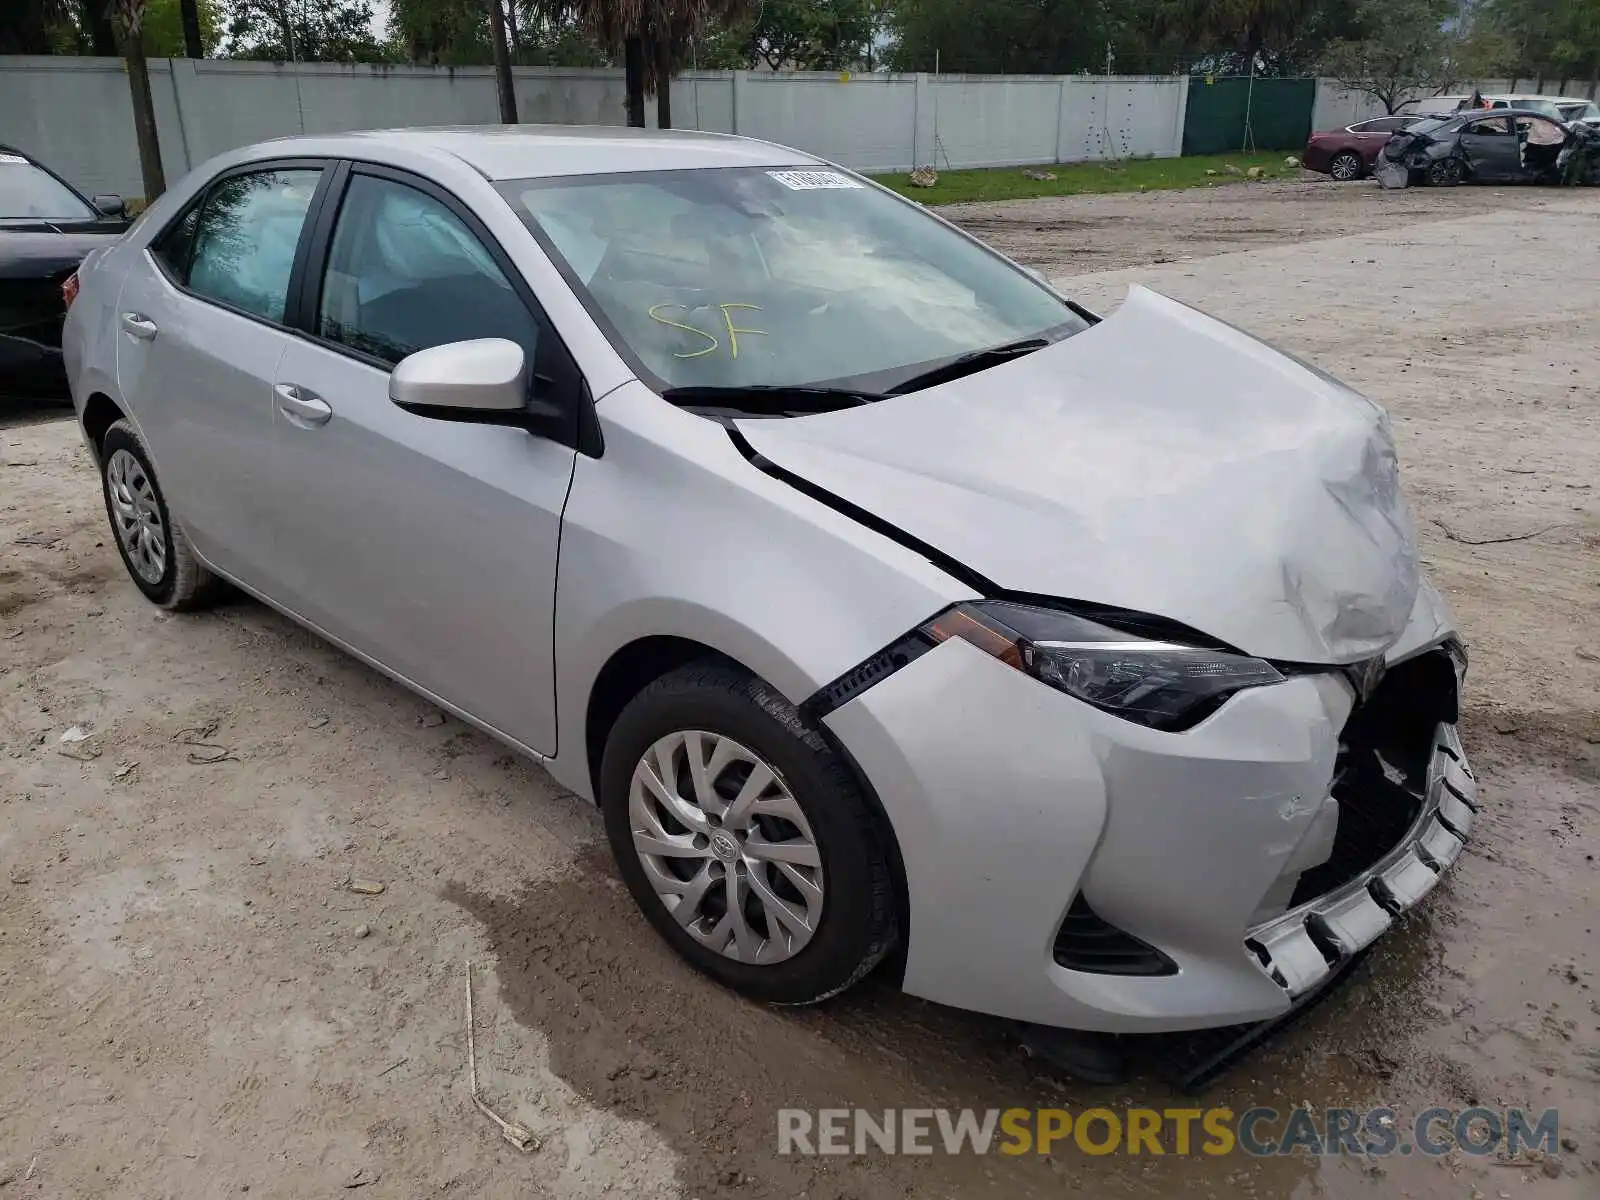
{"x":1446,"y":172}
{"x":857,"y":926}
{"x":183,"y":583}
{"x":1346,"y":167}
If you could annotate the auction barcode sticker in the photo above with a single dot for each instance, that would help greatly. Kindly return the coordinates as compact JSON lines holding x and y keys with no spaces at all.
{"x":810,"y":181}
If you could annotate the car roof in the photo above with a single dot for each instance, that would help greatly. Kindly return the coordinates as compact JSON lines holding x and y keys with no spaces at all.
{"x":534,"y":151}
{"x":1475,"y":114}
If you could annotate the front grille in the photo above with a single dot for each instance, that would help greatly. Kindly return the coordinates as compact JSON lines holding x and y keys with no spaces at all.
{"x":1381,"y":775}
{"x":1088,"y":942}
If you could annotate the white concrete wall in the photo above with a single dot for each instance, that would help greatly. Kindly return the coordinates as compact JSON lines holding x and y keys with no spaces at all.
{"x":74,"y":112}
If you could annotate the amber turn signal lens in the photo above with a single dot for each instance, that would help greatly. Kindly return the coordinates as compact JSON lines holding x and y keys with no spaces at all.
{"x":69,"y":289}
{"x":992,"y":639}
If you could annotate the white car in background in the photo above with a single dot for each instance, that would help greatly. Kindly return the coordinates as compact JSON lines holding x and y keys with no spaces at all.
{"x":1440,"y":106}
{"x":1586,"y":111}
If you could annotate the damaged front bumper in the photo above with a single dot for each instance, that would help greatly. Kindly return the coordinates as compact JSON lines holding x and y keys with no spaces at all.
{"x":1300,"y":949}
{"x":1065,"y":867}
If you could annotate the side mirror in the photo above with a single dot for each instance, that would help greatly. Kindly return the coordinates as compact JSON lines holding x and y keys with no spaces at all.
{"x":110,"y":206}
{"x":483,"y":381}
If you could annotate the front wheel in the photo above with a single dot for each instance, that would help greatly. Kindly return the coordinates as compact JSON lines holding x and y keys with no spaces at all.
{"x":1345,"y":167}
{"x":744,"y":839}
{"x":1446,"y":172}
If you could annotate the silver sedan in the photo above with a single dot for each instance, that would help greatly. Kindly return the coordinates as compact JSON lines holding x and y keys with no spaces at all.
{"x":892,"y":607}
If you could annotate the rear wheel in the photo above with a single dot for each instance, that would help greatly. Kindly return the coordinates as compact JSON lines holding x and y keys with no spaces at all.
{"x":1345,"y":167}
{"x":155,"y":551}
{"x":1446,"y":172}
{"x":744,"y":838}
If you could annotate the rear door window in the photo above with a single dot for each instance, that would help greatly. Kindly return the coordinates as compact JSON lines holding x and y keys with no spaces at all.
{"x":246,"y":238}
{"x":1490,"y":127}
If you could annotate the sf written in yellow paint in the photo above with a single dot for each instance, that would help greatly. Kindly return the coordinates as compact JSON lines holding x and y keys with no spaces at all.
{"x":715,"y":343}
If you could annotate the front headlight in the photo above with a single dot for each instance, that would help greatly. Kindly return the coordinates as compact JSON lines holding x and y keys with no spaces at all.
{"x":1165,"y":685}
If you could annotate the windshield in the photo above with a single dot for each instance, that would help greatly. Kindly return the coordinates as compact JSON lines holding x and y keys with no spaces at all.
{"x":750,"y":277}
{"x":1587,"y":111}
{"x":29,"y":193}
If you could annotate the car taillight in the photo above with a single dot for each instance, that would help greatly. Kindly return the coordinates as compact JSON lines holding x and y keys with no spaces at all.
{"x":69,"y":289}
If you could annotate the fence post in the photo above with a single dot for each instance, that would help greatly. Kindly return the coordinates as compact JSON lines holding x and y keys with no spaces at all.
{"x":178,"y":86}
{"x":922,"y":130}
{"x":1183,"y":116}
{"x":1061,"y":119}
{"x":741,"y":81}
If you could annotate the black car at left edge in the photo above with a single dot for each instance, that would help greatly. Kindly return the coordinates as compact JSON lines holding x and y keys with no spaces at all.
{"x":46,"y":228}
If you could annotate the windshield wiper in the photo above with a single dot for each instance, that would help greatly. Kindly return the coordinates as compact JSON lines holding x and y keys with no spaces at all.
{"x":970,"y":364}
{"x":770,"y":400}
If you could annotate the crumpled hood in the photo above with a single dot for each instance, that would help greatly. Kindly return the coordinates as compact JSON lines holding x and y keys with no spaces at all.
{"x":1161,"y":461}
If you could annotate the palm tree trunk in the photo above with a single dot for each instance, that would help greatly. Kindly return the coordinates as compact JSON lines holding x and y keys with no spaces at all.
{"x":193,"y":47}
{"x":633,"y":69}
{"x":502,"y":64}
{"x":663,"y":47}
{"x":144,"y":116}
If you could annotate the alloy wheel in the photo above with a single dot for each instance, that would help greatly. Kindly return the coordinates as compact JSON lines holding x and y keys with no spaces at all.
{"x":1345,"y":167}
{"x":137,"y":516}
{"x":726,"y":847}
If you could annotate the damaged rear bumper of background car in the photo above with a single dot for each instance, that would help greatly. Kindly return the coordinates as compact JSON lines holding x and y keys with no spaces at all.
{"x":1069,"y":868}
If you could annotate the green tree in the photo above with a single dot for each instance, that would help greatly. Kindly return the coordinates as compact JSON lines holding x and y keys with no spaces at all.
{"x":1402,"y":51}
{"x":1544,"y":39}
{"x":1276,"y":37}
{"x":651,"y":36}
{"x":34,"y":26}
{"x":441,"y":32}
{"x":456,"y":33}
{"x":163,"y":27}
{"x":801,"y":35}
{"x":303,"y":31}
{"x":1003,"y":36}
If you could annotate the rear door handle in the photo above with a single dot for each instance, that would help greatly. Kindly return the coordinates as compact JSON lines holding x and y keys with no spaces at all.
{"x":136,"y":325}
{"x":302,"y":406}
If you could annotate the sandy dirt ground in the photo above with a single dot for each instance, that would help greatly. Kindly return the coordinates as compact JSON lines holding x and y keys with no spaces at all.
{"x":195,"y":1003}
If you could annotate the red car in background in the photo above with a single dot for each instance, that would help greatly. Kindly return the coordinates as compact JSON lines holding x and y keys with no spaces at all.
{"x":1349,"y":153}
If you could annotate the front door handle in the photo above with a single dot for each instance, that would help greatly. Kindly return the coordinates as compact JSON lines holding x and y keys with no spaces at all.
{"x":302,"y":406}
{"x":139,"y":326}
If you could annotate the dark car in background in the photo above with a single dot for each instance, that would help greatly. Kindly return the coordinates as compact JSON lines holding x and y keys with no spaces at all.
{"x":1350,"y":153}
{"x":46,"y":228}
{"x":1491,"y":146}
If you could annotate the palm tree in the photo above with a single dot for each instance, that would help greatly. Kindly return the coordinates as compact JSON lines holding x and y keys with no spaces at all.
{"x":652,"y":36}
{"x":504,"y":92}
{"x":193,"y":46}
{"x":128,"y":17}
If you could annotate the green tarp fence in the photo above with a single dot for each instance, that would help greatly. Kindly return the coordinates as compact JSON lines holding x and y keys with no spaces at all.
{"x":1278,"y":113}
